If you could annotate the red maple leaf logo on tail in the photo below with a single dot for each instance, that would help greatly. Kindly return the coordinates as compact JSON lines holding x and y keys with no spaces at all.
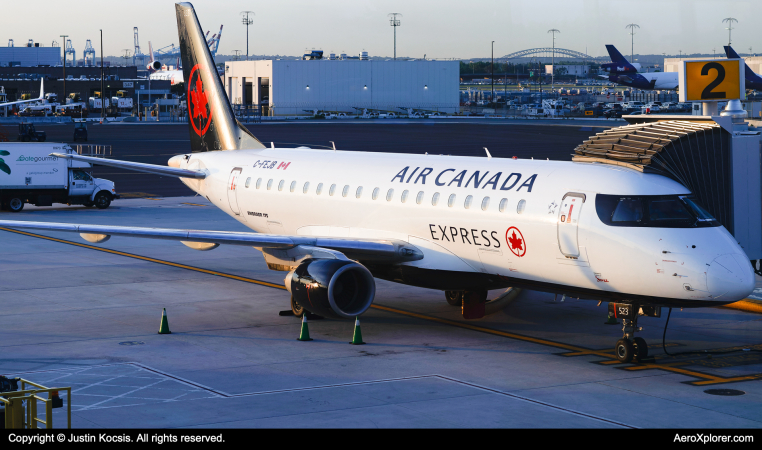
{"x":198,"y":97}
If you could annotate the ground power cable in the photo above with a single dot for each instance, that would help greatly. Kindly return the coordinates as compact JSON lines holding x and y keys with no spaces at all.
{"x":697,"y":352}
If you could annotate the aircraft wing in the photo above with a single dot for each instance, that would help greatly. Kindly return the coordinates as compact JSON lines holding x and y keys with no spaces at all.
{"x":376,"y":250}
{"x":42,"y":95}
{"x":139,"y":167}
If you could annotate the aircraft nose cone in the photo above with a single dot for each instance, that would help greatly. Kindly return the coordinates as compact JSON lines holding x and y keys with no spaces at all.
{"x":730,"y":277}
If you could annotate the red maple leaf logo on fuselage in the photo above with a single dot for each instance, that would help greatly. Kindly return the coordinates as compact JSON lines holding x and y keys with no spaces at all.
{"x":515,"y":242}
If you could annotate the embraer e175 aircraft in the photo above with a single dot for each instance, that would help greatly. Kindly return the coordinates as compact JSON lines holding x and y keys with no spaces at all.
{"x":335,"y":220}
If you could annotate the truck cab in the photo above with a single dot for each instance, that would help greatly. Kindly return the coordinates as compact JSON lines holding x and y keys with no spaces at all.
{"x":85,"y":189}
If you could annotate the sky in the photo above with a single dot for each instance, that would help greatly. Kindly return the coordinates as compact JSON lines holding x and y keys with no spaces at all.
{"x":436,"y":28}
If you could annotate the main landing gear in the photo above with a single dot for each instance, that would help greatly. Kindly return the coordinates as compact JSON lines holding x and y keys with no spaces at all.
{"x":631,"y":347}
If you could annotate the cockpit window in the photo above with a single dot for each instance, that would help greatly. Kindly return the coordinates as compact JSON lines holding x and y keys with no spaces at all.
{"x":628,"y":210}
{"x":657,"y":211}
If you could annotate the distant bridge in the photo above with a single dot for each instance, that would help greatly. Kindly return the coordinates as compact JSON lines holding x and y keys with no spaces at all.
{"x":548,"y":52}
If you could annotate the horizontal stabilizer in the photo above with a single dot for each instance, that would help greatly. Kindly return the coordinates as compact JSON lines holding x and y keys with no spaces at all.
{"x":138,"y":167}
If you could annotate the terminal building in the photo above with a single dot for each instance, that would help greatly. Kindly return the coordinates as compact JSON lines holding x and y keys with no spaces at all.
{"x":296,"y":87}
{"x":30,"y":56}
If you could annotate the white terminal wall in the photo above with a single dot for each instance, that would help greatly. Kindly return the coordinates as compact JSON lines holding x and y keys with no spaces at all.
{"x":343,"y":85}
{"x":672,"y":64}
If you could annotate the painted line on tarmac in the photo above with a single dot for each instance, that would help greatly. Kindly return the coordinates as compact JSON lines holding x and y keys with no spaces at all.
{"x":145,"y":258}
{"x":572,"y":350}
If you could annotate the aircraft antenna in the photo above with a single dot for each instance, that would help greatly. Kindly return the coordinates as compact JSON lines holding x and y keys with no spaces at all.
{"x":729,"y":21}
{"x":632,"y":27}
{"x":394,"y":21}
{"x":246,"y":21}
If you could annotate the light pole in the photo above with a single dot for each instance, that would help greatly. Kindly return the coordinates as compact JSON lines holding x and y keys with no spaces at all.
{"x":393,"y":21}
{"x":237,"y":55}
{"x":103,"y":93}
{"x":632,"y":27}
{"x":492,"y":70}
{"x":729,"y":21}
{"x":64,"y":36}
{"x":246,"y":21}
{"x":553,"y":60}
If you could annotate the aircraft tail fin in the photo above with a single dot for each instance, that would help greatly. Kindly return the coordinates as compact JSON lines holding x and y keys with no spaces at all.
{"x":618,"y":62}
{"x":730,"y":53}
{"x":211,"y":120}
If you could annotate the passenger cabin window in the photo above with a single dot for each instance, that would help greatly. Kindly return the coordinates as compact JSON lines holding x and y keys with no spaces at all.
{"x":358,"y":194}
{"x":293,"y":186}
{"x":451,"y":200}
{"x":259,"y":182}
{"x":375,"y":193}
{"x":269,"y":184}
{"x":280,"y":185}
{"x":485,"y":203}
{"x":419,"y":197}
{"x":521,"y":206}
{"x":435,"y":199}
{"x":248,"y":182}
{"x":404,"y":196}
{"x":345,"y":191}
{"x":332,"y":190}
{"x":389,"y":195}
{"x":467,"y":203}
{"x":503,"y":205}
{"x":656,"y":211}
{"x":306,"y":187}
{"x":319,"y":189}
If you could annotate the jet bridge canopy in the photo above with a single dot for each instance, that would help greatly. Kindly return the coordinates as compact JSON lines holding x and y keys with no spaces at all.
{"x":718,"y":162}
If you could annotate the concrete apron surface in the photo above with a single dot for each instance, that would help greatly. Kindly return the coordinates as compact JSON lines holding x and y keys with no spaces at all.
{"x":86,"y":318}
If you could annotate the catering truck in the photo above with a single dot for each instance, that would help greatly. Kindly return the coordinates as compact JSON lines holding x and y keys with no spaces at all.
{"x":29,"y":174}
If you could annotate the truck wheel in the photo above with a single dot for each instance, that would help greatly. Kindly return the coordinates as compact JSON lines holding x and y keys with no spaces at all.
{"x":15,"y":204}
{"x":102,"y":200}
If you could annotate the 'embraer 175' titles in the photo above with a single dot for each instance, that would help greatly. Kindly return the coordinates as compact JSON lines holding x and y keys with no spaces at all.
{"x":337,"y":220}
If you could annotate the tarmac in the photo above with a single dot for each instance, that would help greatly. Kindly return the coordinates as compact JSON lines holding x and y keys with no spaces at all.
{"x":87,"y":316}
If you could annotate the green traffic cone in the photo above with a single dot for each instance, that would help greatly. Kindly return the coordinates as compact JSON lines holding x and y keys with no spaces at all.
{"x":357,"y":338}
{"x":305,"y":334}
{"x":164,"y":327}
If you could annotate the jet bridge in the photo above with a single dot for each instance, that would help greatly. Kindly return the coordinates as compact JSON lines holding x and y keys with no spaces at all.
{"x":717,"y":157}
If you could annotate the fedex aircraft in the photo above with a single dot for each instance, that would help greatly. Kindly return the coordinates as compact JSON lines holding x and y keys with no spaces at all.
{"x":336,"y":220}
{"x":624,"y":73}
{"x":753,"y":81}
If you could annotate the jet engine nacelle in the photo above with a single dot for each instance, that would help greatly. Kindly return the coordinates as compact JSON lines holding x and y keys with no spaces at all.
{"x":334,"y":288}
{"x":154,"y":66}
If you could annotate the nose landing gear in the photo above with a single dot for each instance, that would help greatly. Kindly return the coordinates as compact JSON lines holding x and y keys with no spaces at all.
{"x":631,"y":347}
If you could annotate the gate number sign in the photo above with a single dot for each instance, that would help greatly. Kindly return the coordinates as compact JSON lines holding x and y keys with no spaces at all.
{"x":712,"y":80}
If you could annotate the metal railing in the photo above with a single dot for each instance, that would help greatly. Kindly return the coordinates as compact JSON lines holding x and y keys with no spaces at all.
{"x":21,"y":407}
{"x":96,"y":151}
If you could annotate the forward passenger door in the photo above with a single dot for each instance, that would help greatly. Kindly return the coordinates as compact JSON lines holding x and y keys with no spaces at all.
{"x":568,"y":223}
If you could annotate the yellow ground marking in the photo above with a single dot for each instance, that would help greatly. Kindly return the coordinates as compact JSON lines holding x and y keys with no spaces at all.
{"x":193,"y":204}
{"x":136,"y":194}
{"x":151,"y":198}
{"x":704,"y":378}
{"x":145,"y":258}
{"x":747,"y":305}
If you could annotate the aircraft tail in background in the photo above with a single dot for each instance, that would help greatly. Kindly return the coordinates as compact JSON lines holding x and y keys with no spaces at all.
{"x":619,"y":63}
{"x":753,"y":80}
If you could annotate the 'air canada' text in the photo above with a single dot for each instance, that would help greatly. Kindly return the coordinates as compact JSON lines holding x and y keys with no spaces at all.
{"x":475,"y":179}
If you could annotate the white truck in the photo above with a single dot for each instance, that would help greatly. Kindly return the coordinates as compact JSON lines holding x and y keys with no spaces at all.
{"x":28,"y":174}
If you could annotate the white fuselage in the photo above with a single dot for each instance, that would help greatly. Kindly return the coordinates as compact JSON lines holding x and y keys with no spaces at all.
{"x":664,"y":80}
{"x":533,"y":247}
